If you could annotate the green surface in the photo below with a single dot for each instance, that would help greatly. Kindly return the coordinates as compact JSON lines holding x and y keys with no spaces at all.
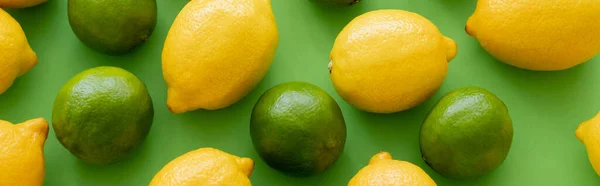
{"x":546,"y":107}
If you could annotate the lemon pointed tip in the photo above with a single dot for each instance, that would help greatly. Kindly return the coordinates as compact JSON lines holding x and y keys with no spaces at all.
{"x":174,"y":104}
{"x":246,"y":165}
{"x":380,"y":156}
{"x":39,"y":125}
{"x":28,"y":61}
{"x":451,"y":48}
{"x":469,"y":27}
{"x":582,"y":129}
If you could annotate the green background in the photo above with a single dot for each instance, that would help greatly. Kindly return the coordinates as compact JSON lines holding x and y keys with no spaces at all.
{"x":546,"y":107}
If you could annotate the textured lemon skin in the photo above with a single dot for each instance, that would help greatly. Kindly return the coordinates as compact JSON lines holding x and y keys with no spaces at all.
{"x":20,"y":3}
{"x":543,"y":35}
{"x":588,"y":133}
{"x":206,"y":167}
{"x":217,"y":51}
{"x":388,"y":61}
{"x":22,"y":152}
{"x":384,"y":171}
{"x":16,"y":57}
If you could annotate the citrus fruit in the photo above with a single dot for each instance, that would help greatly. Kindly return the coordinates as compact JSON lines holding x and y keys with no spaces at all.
{"x":467,"y":134}
{"x":216,"y":52}
{"x":16,"y":57}
{"x":298,"y":128}
{"x":388,"y":61}
{"x":22,"y":152}
{"x":383,"y":170}
{"x":540,"y":35}
{"x":102,"y":114}
{"x":112,"y":26}
{"x":588,"y":133}
{"x":206,"y":167}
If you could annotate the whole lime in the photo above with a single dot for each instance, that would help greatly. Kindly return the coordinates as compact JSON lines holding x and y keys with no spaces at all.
{"x":112,"y":26}
{"x":298,"y":128}
{"x":467,"y":134}
{"x":102,"y":114}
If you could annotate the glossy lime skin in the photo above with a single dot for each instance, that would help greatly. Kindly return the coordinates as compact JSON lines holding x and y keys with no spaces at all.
{"x":102,"y":114}
{"x":112,"y":26}
{"x":298,"y":128}
{"x":467,"y":134}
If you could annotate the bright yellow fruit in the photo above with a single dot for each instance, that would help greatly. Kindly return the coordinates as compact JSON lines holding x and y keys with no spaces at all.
{"x":217,"y":51}
{"x":540,"y":35}
{"x":588,"y":133}
{"x":384,"y":171}
{"x":388,"y":61}
{"x":20,"y":3}
{"x":16,"y":57}
{"x":206,"y":167}
{"x":22,"y":152}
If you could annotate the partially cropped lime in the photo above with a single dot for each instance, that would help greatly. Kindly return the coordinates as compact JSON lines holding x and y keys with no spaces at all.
{"x":102,"y":114}
{"x":298,"y":128}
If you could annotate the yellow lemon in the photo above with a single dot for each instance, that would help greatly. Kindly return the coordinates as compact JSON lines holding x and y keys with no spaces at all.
{"x":20,"y":3}
{"x":22,"y":152}
{"x":216,"y":52}
{"x":388,"y":61}
{"x":588,"y":133}
{"x":540,"y":35}
{"x":16,"y":57}
{"x":383,"y":170}
{"x":206,"y":167}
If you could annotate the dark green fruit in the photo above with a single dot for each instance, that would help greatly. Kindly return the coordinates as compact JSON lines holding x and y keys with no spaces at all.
{"x":112,"y":26}
{"x":298,"y":128}
{"x":338,"y":2}
{"x":467,"y":134}
{"x":102,"y":114}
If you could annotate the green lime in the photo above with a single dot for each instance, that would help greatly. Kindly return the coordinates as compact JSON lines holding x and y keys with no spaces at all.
{"x":467,"y":134}
{"x":102,"y":114}
{"x":298,"y":128}
{"x":112,"y":26}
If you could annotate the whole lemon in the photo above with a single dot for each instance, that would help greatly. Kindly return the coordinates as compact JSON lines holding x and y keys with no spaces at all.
{"x":16,"y":57}
{"x":22,"y":152}
{"x":216,"y":52}
{"x":206,"y":167}
{"x":388,"y":61}
{"x":543,"y":35}
{"x":383,"y":170}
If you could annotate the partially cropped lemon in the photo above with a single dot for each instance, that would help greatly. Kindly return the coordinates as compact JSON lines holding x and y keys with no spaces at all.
{"x":22,"y":152}
{"x":216,"y":52}
{"x":206,"y":167}
{"x":588,"y":133}
{"x":16,"y":57}
{"x":383,"y":170}
{"x":20,"y":3}
{"x":543,"y":35}
{"x":388,"y":61}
